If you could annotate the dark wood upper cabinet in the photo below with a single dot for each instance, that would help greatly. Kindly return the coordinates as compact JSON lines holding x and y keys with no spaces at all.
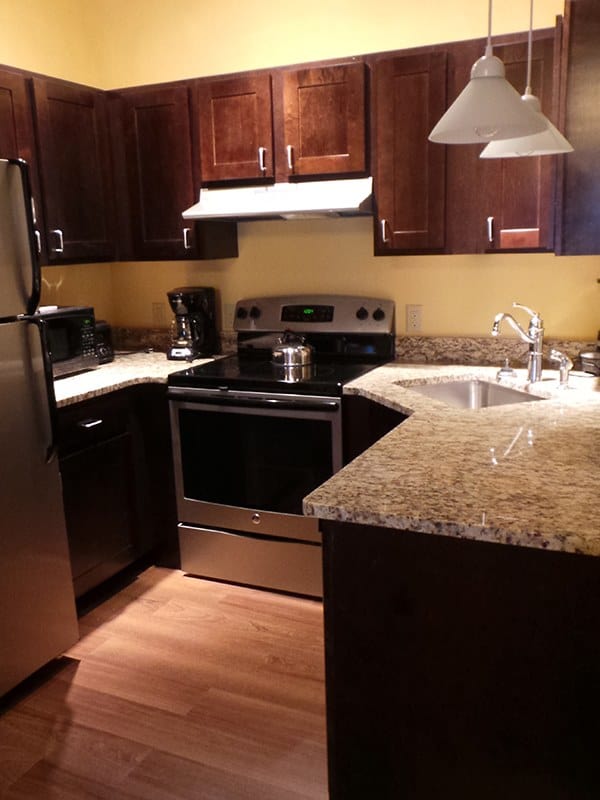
{"x":291,"y":123}
{"x":160,"y":170}
{"x":581,"y":188}
{"x":17,"y":135}
{"x":75,"y":169}
{"x":409,"y":96}
{"x":323,"y":121}
{"x":234,"y":127}
{"x":152,"y":141}
{"x":503,"y":204}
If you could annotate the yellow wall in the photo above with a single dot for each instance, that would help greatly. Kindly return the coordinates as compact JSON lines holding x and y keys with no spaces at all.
{"x":112,"y":43}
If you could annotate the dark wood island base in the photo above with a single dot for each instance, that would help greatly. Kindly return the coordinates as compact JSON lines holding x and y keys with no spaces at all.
{"x":459,"y":670}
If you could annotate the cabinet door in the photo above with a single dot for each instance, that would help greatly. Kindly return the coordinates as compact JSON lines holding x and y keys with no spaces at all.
{"x":235,"y":129}
{"x":160,"y":171}
{"x":324,"y":120}
{"x":410,"y":94}
{"x":503,"y":204}
{"x":581,"y":67}
{"x":75,"y":168}
{"x":16,"y":134}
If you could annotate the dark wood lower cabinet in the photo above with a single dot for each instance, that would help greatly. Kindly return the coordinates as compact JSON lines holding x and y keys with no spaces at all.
{"x":117,"y":482}
{"x":459,"y":669}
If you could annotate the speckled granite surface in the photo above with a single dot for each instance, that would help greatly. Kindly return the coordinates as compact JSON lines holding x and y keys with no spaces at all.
{"x":524,"y":474}
{"x":125,"y":370}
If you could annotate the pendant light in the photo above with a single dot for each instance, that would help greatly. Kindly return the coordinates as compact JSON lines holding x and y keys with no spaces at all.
{"x":549,"y":141}
{"x":488,"y":108}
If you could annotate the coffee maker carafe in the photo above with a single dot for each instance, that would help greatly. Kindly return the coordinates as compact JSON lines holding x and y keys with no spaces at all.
{"x":194,"y":326}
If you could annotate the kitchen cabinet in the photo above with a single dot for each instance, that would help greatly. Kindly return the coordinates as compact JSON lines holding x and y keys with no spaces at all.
{"x":117,"y":481}
{"x":282,"y":125}
{"x":17,"y":134}
{"x":459,"y":669}
{"x":581,"y":189}
{"x":363,"y":423}
{"x":502,"y":204}
{"x":409,"y":97}
{"x":161,"y":178}
{"x":75,"y":171}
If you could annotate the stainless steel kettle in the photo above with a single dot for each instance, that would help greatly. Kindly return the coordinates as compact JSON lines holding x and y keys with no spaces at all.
{"x":291,"y":351}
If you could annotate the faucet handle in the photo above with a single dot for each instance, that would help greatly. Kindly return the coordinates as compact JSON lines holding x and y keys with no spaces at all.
{"x":565,"y":365}
{"x":533,"y":314}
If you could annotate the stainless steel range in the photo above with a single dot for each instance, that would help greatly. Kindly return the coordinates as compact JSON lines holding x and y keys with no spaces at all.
{"x":254,"y":433}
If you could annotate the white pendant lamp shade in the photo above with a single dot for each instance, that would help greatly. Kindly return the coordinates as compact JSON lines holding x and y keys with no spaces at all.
{"x":488,"y":108}
{"x":549,"y":141}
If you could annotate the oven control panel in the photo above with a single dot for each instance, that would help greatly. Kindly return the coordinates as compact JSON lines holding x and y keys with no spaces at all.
{"x":318,"y":313}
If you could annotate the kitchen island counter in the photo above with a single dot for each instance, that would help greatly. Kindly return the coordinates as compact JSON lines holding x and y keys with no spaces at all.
{"x":522,"y":474}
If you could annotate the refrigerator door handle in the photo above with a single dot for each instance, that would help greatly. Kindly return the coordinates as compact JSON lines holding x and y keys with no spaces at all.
{"x":36,"y":277}
{"x":52,"y":447}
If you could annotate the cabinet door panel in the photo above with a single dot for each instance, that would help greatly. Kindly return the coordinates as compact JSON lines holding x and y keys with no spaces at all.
{"x":410,"y":170}
{"x":16,"y":134}
{"x":502,"y":204}
{"x":160,"y":170}
{"x":234,"y":119}
{"x":324,"y":120}
{"x":75,"y":169}
{"x":521,"y":200}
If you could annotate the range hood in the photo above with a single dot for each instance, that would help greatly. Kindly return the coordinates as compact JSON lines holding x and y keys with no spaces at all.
{"x":336,"y":198}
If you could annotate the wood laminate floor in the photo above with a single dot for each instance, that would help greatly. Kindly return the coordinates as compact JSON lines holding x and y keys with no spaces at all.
{"x":178,"y":689}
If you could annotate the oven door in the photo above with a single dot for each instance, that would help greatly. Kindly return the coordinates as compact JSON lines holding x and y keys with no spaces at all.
{"x":244,"y":460}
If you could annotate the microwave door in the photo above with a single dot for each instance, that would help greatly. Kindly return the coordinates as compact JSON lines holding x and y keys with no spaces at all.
{"x":19,"y":268}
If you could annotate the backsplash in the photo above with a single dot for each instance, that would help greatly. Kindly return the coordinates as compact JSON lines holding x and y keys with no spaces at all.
{"x":482,"y":351}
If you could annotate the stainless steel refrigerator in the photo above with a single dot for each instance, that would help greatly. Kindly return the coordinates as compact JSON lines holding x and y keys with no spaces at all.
{"x":38,"y":620}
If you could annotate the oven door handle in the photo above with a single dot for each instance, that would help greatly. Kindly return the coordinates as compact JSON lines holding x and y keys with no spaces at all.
{"x":265,"y":403}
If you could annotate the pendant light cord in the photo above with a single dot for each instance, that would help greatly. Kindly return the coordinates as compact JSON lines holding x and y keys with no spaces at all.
{"x":529,"y":49}
{"x":488,"y":49}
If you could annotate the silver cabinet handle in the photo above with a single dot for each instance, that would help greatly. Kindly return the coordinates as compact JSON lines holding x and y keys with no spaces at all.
{"x":38,"y":241}
{"x":290,"y":157}
{"x":59,"y":234}
{"x":490,"y":229}
{"x":262,"y":151}
{"x":384,"y":236}
{"x":89,"y":423}
{"x":186,"y":239}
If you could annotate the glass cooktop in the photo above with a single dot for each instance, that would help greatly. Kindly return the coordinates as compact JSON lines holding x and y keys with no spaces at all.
{"x":320,"y":378}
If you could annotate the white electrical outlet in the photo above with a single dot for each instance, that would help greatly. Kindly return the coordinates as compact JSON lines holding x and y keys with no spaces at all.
{"x":413,"y":318}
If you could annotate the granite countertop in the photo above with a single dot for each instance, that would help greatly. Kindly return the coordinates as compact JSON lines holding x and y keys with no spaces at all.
{"x":126,"y":370}
{"x":524,"y":474}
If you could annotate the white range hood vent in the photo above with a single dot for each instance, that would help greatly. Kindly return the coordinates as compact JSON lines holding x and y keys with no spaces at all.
{"x":337,"y":198}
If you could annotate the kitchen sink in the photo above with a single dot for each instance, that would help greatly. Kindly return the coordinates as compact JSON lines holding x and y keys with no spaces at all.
{"x":473,"y":393}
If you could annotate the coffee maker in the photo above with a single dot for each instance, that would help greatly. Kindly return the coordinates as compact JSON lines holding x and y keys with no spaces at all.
{"x":194,"y":327}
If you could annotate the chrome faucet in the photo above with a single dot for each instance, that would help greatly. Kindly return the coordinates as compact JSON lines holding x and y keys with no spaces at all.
{"x":534,"y":338}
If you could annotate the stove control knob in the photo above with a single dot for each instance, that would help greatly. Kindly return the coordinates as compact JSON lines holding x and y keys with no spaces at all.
{"x":242,"y":313}
{"x":255,"y":312}
{"x":378,"y":314}
{"x":362,"y":313}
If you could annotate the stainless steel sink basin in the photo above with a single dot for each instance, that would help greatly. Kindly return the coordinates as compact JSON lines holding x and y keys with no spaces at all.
{"x":473,"y":393}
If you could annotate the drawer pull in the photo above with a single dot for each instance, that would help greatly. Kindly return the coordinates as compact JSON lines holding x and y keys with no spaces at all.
{"x":89,"y":423}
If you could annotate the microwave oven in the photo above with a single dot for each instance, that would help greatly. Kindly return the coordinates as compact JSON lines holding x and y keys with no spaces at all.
{"x":70,"y":338}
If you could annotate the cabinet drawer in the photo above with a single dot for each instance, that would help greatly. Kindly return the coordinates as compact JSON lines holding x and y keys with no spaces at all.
{"x":89,"y":423}
{"x":273,"y":563}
